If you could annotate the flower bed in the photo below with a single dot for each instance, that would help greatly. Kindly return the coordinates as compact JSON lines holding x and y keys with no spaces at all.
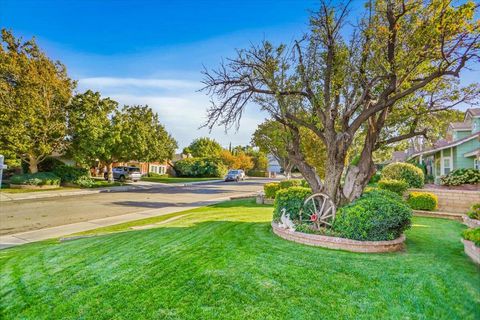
{"x":339,"y":243}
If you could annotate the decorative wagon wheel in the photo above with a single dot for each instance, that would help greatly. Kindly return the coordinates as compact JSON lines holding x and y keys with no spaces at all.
{"x":320,"y":209}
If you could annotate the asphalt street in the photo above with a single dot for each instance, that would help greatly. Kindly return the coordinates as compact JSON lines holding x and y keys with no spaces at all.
{"x":26,"y":215}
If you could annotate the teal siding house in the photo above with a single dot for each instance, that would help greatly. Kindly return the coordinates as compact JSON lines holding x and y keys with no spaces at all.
{"x":460,"y":149}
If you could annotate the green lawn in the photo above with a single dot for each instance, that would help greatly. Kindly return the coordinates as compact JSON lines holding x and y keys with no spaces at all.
{"x":223,"y":262}
{"x":10,"y":190}
{"x":164,"y":179}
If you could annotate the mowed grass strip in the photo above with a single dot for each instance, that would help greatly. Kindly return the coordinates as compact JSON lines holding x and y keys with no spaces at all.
{"x":223,"y":262}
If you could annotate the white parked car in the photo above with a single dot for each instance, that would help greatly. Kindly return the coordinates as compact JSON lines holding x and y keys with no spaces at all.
{"x":125,"y":173}
{"x":235,"y":175}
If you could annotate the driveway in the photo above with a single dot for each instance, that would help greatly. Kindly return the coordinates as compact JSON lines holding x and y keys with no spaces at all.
{"x":26,"y":215}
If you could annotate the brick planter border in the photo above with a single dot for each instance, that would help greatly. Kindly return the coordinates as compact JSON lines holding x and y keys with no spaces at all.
{"x":340,"y":243}
{"x":27,"y":186}
{"x":471,"y":223}
{"x":472,"y":250}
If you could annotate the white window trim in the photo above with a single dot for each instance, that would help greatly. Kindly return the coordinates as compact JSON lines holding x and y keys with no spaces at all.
{"x":442,"y":166}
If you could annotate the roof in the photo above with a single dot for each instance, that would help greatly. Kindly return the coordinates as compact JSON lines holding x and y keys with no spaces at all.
{"x":399,"y":156}
{"x":460,"y":126}
{"x":474,"y":112}
{"x":446,"y":146}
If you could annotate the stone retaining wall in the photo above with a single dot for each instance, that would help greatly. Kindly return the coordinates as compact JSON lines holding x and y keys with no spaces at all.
{"x":339,"y":243}
{"x":453,"y":200}
{"x":472,"y":250}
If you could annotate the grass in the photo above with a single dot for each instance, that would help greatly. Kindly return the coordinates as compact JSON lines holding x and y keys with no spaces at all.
{"x":12,"y":190}
{"x":223,"y":262}
{"x":166,"y":179}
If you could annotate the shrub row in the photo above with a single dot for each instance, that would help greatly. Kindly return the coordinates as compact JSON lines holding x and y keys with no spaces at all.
{"x":407,"y":172}
{"x":291,"y":200}
{"x":461,"y":176}
{"x":200,"y":167}
{"x":36,"y":179}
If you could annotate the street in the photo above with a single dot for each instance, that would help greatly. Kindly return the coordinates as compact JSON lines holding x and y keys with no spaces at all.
{"x":26,"y":215}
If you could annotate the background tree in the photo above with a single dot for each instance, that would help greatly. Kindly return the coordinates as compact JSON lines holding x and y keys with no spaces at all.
{"x":203,"y":147}
{"x":273,"y":138}
{"x":99,"y":130}
{"x":34,"y":95}
{"x":341,"y":84}
{"x":91,"y":130}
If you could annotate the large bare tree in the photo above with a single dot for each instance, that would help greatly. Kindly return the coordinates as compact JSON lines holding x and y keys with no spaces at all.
{"x":345,"y":80}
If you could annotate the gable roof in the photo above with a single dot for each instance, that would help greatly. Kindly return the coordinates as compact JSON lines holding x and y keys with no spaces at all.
{"x":460,"y":126}
{"x":474,"y":112}
{"x":446,"y":146}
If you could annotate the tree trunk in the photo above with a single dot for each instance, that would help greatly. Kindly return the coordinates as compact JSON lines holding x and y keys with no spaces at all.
{"x":288,"y":169}
{"x":32,"y":164}
{"x":110,"y":172}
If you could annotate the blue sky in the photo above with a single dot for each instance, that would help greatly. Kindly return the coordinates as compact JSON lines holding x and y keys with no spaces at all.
{"x":152,"y":52}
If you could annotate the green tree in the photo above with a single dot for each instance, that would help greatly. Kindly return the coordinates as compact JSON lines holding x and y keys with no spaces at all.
{"x":99,"y":130}
{"x":203,"y":147}
{"x":340,"y":85}
{"x":34,"y":96}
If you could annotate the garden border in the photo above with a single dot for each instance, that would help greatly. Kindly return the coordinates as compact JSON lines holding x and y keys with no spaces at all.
{"x":471,"y":250}
{"x":34,"y":187}
{"x":340,"y":243}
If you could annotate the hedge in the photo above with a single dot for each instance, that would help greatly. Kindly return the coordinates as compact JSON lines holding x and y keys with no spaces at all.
{"x":284,"y":184}
{"x":397,"y":186}
{"x":374,"y":216}
{"x":422,"y":201}
{"x":36,"y":179}
{"x":292,"y":200}
{"x":271,"y":189}
{"x":200,"y":167}
{"x":407,"y":172}
{"x":69,"y":173}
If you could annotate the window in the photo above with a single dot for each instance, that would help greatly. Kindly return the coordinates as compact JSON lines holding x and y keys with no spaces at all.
{"x":446,"y":166}
{"x":476,"y":164}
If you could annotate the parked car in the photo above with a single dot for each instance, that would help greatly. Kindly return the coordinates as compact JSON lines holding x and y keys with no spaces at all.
{"x":125,"y":173}
{"x":235,"y":175}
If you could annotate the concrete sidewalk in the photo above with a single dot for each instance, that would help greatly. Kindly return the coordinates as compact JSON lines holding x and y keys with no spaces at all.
{"x":4,"y":196}
{"x":11,"y":240}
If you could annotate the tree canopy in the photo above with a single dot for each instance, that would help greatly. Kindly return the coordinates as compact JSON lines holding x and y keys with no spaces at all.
{"x":203,"y":147}
{"x":34,"y":95}
{"x":400,"y":62}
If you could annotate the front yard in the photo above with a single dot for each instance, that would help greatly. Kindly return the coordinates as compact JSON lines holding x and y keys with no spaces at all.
{"x":224,"y":262}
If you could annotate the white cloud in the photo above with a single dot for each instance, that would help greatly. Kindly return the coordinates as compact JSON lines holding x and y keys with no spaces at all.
{"x":180,"y":107}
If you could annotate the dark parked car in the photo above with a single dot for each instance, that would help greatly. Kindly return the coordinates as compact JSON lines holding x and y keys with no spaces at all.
{"x":125,"y":173}
{"x":235,"y":175}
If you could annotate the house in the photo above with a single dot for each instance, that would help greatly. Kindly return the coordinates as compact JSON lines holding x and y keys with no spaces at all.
{"x":274,"y":166}
{"x":459,"y":149}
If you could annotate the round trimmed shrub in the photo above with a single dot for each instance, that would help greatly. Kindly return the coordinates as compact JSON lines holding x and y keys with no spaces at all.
{"x":292,"y":200}
{"x":472,"y":235}
{"x":374,"y":192}
{"x":271,"y":189}
{"x":422,"y":201}
{"x":285,"y":184}
{"x":407,"y":172}
{"x":373,"y":217}
{"x":397,"y":186}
